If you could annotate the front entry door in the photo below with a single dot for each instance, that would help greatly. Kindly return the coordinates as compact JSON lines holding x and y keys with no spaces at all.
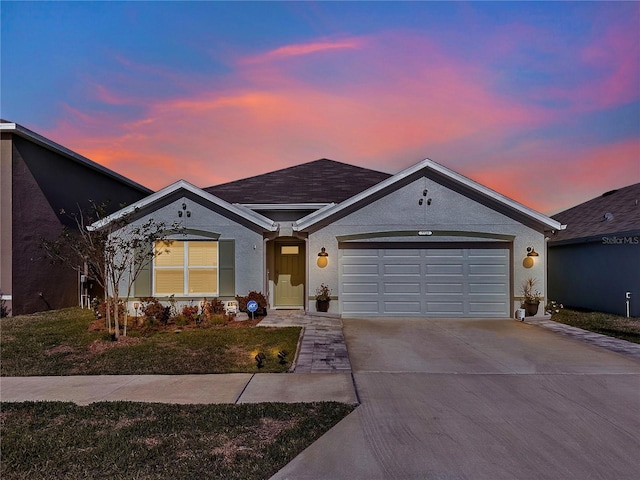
{"x":289,"y":281}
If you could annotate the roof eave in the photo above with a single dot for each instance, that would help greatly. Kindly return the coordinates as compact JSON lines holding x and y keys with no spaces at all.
{"x":56,"y":147}
{"x":316,"y":217}
{"x":249,"y":215}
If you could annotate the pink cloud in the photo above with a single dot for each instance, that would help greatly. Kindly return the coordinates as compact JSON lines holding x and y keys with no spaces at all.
{"x":301,"y":49}
{"x":550,"y":177}
{"x":613,"y":62}
{"x":381,"y":102}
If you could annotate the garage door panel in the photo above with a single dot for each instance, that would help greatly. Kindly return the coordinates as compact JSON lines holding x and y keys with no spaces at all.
{"x":443,"y":282}
{"x":402,"y":253}
{"x":444,"y":252}
{"x":444,"y":269}
{"x":444,"y":288}
{"x":487,"y":288}
{"x":402,"y":288}
{"x":485,"y":308}
{"x":359,"y":308}
{"x":401,"y":308}
{"x":360,"y":288}
{"x":351,"y":269}
{"x":476,"y":269}
{"x":413,"y":269}
{"x":445,"y":309}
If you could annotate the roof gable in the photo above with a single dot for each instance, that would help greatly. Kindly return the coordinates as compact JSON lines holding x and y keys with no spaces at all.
{"x":156,"y":199}
{"x":439,"y":173}
{"x":321,"y":181}
{"x":613,"y":212}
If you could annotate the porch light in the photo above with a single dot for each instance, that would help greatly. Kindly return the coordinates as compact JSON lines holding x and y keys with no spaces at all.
{"x":323,"y":258}
{"x":529,"y":261}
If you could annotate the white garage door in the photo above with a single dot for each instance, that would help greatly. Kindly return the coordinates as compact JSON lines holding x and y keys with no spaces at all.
{"x":428,"y":282}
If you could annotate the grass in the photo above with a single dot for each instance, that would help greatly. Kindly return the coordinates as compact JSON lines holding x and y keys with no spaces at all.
{"x":68,"y":342}
{"x":604,"y":323}
{"x":124,"y":440}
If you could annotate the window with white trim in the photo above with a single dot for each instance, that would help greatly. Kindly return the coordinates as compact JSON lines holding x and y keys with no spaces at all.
{"x":184,"y":268}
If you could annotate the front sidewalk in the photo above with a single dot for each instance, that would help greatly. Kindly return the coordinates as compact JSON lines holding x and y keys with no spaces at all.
{"x":182,"y":389}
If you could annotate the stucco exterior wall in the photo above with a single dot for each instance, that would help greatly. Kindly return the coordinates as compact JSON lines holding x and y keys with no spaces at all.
{"x":249,"y":245}
{"x":42,"y":183}
{"x":6,"y":202}
{"x":596,"y":276}
{"x":448,"y":211}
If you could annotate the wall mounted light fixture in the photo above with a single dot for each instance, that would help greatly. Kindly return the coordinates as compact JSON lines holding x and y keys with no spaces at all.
{"x":529,"y":261}
{"x":184,"y":207}
{"x":323,"y":258}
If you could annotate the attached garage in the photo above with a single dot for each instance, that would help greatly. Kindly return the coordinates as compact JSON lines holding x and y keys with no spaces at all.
{"x":444,"y":280}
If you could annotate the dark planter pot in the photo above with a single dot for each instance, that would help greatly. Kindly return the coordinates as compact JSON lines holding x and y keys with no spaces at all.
{"x":531,"y":308}
{"x":322,"y":305}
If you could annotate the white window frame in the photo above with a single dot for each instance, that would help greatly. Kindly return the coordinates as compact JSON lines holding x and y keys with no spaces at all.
{"x":185,"y":267}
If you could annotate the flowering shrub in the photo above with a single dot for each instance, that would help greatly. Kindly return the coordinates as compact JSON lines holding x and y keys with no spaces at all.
{"x":553,"y":307}
{"x":153,"y":309}
{"x":102,"y":309}
{"x":190,"y":312}
{"x":258,"y":297}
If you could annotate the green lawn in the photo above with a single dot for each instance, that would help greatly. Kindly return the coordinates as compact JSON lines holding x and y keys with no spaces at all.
{"x":125,"y":440}
{"x":604,"y":323}
{"x":68,"y":342}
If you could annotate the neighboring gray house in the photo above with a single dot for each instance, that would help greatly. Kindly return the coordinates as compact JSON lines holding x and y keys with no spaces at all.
{"x":426,"y":242}
{"x":38,"y":178}
{"x":596,"y":260}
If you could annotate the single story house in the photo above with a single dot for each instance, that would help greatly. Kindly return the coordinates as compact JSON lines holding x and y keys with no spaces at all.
{"x":38,"y":179}
{"x":595,"y":263}
{"x":425,"y":242}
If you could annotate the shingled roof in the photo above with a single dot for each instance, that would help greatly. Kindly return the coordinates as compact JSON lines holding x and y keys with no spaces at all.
{"x":614,"y":212}
{"x":320,"y":181}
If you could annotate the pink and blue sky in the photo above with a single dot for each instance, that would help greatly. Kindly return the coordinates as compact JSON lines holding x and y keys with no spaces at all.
{"x":537,"y":100}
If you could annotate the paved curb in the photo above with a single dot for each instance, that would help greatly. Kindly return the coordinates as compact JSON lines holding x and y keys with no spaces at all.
{"x":614,"y":344}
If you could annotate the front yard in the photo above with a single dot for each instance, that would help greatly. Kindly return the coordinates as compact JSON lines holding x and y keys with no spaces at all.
{"x":72,"y":342}
{"x":124,"y":440}
{"x":120,"y":440}
{"x":604,"y":323}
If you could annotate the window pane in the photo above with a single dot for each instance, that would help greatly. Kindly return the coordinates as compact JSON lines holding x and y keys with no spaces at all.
{"x":203,"y":280}
{"x":171,"y":254}
{"x":289,"y":250}
{"x":203,"y":254}
{"x":169,"y":281}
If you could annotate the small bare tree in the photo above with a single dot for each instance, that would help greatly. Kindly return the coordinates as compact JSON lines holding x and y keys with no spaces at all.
{"x":116,"y":250}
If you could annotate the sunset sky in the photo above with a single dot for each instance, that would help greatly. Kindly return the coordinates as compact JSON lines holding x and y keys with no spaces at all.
{"x":539,"y":101}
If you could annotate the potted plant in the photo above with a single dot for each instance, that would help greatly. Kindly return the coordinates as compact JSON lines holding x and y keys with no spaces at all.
{"x":532,"y":296}
{"x":323,"y":297}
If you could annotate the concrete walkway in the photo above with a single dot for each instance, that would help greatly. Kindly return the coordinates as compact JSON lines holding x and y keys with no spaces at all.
{"x":323,"y":349}
{"x":322,"y":372}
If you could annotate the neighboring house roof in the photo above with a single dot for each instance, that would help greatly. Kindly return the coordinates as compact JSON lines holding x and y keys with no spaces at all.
{"x":16,"y":129}
{"x":321,"y":181}
{"x":442,"y":174}
{"x":614,"y":212}
{"x":181,"y":186}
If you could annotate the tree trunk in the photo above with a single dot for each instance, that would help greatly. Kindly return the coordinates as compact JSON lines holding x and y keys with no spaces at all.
{"x":116,"y":320}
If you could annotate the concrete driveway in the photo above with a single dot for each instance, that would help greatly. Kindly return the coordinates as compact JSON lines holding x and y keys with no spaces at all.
{"x":480,"y":399}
